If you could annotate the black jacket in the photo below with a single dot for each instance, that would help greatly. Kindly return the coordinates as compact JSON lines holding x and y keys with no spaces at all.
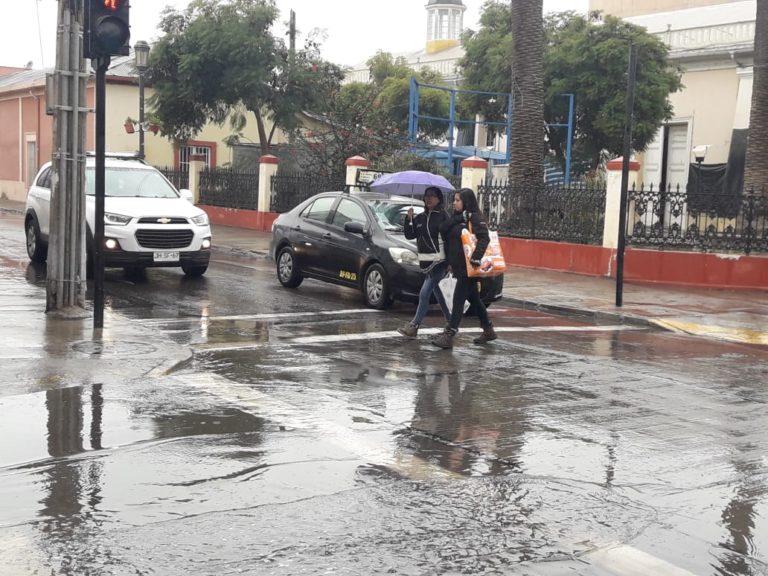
{"x":451,"y":232}
{"x":425,"y":228}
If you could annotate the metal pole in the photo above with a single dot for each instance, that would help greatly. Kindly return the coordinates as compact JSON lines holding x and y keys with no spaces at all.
{"x":509,"y":128}
{"x":451,"y":127}
{"x":569,"y":144}
{"x":141,"y":114}
{"x":625,"y":174}
{"x":102,"y":64}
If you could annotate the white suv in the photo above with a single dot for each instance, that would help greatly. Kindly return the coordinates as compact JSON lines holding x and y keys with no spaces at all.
{"x":147,"y":223}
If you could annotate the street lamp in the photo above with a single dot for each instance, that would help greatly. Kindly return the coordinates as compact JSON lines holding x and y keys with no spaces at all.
{"x":699,"y":152}
{"x":141,"y":54}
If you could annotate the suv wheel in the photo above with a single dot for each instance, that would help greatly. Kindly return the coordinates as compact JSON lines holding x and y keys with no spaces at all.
{"x":287,"y":272}
{"x":36,"y":248}
{"x":194,"y":271}
{"x":376,"y":288}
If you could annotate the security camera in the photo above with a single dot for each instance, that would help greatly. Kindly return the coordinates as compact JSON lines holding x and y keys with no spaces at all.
{"x":699,"y":152}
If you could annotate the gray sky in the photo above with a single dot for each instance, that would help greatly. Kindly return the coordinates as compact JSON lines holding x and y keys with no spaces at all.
{"x":355,"y":30}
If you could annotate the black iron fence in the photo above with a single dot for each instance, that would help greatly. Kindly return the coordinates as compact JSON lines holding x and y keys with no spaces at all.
{"x":179,"y":178}
{"x":563,"y":213}
{"x":228,"y":188}
{"x":289,"y":189}
{"x":708,"y":221}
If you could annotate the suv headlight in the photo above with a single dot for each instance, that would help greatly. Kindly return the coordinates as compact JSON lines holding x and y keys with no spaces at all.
{"x":404,"y":256}
{"x":116,"y":219}
{"x":201,"y":220}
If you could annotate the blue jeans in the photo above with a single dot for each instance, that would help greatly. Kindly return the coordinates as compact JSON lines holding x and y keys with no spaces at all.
{"x":429,"y":287}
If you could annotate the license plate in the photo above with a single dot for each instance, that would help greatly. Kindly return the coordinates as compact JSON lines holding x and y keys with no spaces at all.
{"x":167,"y":256}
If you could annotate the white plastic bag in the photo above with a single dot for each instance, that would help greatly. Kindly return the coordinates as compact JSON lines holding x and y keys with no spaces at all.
{"x":448,"y":286}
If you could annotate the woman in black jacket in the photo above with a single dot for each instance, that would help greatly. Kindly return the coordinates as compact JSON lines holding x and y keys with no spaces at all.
{"x":425,"y":228}
{"x":465,"y":211}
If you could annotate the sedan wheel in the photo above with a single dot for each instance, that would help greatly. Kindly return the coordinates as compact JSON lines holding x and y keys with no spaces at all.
{"x":376,"y":288}
{"x":287,"y":272}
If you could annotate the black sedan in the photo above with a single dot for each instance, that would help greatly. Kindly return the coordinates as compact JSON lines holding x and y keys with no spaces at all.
{"x":354,"y":239}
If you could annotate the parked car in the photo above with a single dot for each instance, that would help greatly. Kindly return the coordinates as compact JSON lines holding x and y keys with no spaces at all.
{"x":147,"y":222}
{"x":355,"y":239}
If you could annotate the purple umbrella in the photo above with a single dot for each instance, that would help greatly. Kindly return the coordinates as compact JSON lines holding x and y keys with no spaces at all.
{"x":410,"y":183}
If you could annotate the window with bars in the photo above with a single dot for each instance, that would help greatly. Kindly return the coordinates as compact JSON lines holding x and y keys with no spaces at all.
{"x":186,"y":151}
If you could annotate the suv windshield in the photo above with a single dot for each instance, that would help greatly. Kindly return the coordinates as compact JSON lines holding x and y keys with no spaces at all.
{"x":390,"y":214}
{"x":130,"y":183}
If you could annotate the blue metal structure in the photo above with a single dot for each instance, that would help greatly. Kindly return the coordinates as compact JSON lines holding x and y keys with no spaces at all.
{"x":414,"y":116}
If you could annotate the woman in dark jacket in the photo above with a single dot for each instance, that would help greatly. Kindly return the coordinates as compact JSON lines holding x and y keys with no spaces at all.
{"x":465,"y":211}
{"x":425,"y":228}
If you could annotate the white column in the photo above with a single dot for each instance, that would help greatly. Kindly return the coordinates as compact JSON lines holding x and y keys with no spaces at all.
{"x":613,"y":199}
{"x":268,"y":165}
{"x":473,"y":172}
{"x":353,"y":164}
{"x":743,"y":98}
{"x":196,"y":166}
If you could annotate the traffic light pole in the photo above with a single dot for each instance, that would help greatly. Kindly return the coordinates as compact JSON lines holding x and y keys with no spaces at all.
{"x":101,"y":64}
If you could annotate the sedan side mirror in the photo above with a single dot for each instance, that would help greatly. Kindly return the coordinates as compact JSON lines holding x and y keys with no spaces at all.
{"x":187,"y":195}
{"x":354,"y":227}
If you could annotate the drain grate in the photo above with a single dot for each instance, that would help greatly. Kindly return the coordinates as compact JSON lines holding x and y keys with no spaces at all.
{"x":111,"y":348}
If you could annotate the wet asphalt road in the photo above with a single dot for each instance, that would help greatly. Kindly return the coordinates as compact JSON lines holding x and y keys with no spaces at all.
{"x":302,"y":436}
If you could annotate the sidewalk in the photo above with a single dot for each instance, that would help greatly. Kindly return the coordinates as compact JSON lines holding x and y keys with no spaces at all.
{"x":737,"y":316}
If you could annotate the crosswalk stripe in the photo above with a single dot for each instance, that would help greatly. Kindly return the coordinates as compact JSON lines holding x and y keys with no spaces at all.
{"x":257,"y":317}
{"x":333,"y":338}
{"x":625,"y":560}
{"x":430,"y":331}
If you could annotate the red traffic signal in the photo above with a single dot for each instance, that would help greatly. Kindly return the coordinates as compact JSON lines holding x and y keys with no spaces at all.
{"x":107,"y":28}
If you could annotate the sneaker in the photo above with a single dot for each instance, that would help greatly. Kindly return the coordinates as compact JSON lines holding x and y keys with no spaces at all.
{"x":409,"y":330}
{"x":444,"y":340}
{"x":488,"y":335}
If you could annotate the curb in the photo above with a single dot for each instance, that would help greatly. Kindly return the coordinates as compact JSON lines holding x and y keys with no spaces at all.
{"x":596,"y":315}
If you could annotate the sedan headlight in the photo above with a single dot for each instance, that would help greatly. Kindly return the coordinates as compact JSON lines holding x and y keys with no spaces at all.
{"x":201,"y":220}
{"x":116,"y":219}
{"x":404,"y":256}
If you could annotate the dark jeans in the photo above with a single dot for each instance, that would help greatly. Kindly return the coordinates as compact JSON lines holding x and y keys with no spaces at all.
{"x":467,"y":289}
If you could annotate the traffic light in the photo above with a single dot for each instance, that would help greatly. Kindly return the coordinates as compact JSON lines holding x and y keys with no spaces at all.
{"x":107,"y":29}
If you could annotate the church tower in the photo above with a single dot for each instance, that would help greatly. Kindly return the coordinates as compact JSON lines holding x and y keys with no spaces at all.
{"x":445,"y":22}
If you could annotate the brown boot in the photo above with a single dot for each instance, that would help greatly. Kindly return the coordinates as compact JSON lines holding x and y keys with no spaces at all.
{"x":444,"y":340}
{"x":488,"y":334}
{"x":409,"y":330}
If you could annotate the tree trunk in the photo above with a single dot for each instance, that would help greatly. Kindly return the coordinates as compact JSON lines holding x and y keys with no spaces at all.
{"x":263,"y":139}
{"x":756,"y":170}
{"x":526,"y":166}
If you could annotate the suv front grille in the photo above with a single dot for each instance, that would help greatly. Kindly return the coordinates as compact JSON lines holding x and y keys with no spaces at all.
{"x":162,"y":220}
{"x":164,"y":239}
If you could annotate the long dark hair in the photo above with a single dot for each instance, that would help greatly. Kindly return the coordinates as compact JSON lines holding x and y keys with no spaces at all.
{"x":469,"y":200}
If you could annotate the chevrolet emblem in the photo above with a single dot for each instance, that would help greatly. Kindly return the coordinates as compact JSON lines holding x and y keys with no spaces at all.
{"x":164,"y":220}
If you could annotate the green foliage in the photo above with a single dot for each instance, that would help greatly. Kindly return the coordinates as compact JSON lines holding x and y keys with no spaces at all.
{"x":218,"y":58}
{"x":584,"y":56}
{"x":590,"y":59}
{"x":391,"y":85}
{"x":370,"y":119}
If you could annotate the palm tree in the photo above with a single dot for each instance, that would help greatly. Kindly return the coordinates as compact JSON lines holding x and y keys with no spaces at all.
{"x":526,"y":166}
{"x":756,"y":171}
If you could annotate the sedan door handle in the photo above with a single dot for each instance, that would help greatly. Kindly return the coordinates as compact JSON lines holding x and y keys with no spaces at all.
{"x":327,"y":236}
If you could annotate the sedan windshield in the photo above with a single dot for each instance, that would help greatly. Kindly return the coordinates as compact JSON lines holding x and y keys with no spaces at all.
{"x":130,"y":183}
{"x":391,"y":214}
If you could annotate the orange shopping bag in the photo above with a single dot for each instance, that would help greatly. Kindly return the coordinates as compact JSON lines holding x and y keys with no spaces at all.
{"x":491,"y":264}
